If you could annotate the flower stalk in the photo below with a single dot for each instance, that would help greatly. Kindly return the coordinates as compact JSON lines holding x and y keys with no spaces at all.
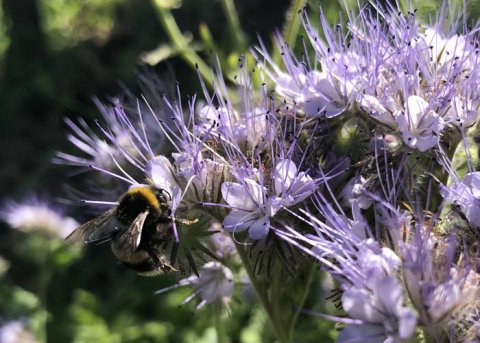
{"x":181,"y":44}
{"x":261,"y":287}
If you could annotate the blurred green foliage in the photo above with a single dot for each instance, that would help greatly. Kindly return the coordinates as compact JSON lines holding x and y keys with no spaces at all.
{"x":66,"y":23}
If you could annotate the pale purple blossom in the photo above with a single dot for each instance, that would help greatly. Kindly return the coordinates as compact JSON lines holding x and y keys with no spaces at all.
{"x":466,"y":194}
{"x":253,"y":205}
{"x":419,"y":125}
{"x":313,"y":91}
{"x":16,"y":331}
{"x":381,"y":310}
{"x":35,"y":215}
{"x":250,"y":208}
{"x":438,"y":285}
{"x":214,"y":285}
{"x":354,"y":191}
{"x":246,"y":129}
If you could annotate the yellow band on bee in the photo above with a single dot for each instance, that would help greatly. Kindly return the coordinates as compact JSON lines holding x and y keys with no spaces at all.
{"x":146,"y":192}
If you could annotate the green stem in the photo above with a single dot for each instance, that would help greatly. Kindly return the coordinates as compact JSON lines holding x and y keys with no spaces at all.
{"x":428,"y":339}
{"x":182,"y":45}
{"x":303,"y":296}
{"x":236,"y":33}
{"x":220,"y":328}
{"x":260,"y":289}
{"x":290,"y":31}
{"x":43,"y":282}
{"x":276,"y":300}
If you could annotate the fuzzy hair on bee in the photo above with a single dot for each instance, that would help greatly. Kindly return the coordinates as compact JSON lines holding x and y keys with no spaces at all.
{"x":136,"y":228}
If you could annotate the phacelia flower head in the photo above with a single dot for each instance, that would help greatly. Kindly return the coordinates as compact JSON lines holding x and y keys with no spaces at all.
{"x":214,"y":285}
{"x":113,"y":145}
{"x":340,"y":158}
{"x":37,"y":215}
{"x":380,"y":312}
{"x":440,"y":285}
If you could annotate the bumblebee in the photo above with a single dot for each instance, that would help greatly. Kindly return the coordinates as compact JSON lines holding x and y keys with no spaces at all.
{"x":137,"y":228}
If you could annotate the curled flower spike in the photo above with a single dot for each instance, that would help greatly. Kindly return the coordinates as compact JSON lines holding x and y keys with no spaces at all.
{"x":360,"y":157}
{"x":214,"y":285}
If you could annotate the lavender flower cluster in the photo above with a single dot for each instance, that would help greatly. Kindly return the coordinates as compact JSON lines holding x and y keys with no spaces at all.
{"x":358,"y":157}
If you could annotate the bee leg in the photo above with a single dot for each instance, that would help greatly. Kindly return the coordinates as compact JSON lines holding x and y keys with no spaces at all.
{"x":184,"y":221}
{"x":160,"y":264}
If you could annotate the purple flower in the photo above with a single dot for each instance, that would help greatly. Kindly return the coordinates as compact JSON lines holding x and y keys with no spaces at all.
{"x":466,"y":194}
{"x":313,"y":91}
{"x":245,"y":129}
{"x":419,"y":125}
{"x":439,"y":285}
{"x":16,"y":331}
{"x":253,"y":205}
{"x":214,"y":285}
{"x":354,"y":191}
{"x":381,"y":310}
{"x":37,"y":215}
{"x":250,"y":208}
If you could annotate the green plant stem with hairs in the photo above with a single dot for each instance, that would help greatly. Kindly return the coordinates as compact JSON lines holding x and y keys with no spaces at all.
{"x":181,"y":44}
{"x":42,"y":292}
{"x":235,"y":31}
{"x":281,"y":303}
{"x":220,"y":327}
{"x":261,"y":289}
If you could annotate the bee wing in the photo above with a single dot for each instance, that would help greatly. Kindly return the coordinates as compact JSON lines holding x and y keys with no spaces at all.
{"x":130,"y":239}
{"x":98,"y":230}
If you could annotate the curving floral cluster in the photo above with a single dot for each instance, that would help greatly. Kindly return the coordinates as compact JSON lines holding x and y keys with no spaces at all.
{"x":360,"y":157}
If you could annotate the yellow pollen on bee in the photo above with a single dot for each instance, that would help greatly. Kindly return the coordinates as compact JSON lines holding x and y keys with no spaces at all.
{"x":146,"y":193}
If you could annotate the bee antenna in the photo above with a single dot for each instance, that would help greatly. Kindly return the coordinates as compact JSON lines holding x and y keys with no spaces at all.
{"x":168,"y":193}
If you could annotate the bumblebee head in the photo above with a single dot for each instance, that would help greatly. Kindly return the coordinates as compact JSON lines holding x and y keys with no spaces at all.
{"x":140,"y":198}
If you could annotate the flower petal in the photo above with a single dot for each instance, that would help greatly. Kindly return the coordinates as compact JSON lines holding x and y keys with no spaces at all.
{"x":362,"y":334}
{"x":237,"y":221}
{"x":159,"y":170}
{"x":259,"y":229}
{"x":240,"y":196}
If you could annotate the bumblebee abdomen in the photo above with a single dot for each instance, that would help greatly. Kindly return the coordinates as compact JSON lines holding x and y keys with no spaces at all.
{"x":146,"y":267}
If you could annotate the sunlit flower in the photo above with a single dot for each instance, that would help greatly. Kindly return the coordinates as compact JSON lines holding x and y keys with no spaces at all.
{"x":16,"y":332}
{"x":419,"y":125}
{"x":247,"y":129}
{"x":466,"y":194}
{"x":214,"y":285}
{"x":381,"y":310}
{"x":37,"y":215}
{"x":250,"y":208}
{"x":253,"y":205}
